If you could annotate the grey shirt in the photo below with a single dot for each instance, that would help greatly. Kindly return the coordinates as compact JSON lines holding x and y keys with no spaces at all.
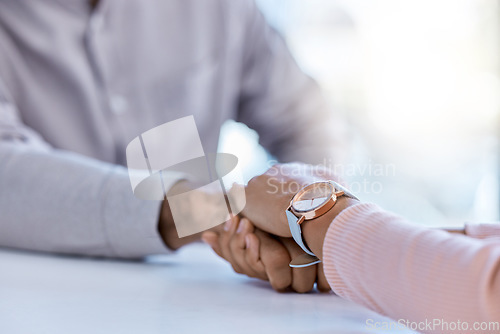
{"x":77,"y":85}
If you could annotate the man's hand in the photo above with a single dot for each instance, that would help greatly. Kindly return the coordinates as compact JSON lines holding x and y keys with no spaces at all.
{"x":168,"y":232}
{"x":197,"y":209}
{"x":257,"y":254}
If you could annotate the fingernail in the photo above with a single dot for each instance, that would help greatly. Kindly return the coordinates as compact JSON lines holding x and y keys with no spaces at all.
{"x":242,"y":226}
{"x":228,"y":225}
{"x":247,"y":241}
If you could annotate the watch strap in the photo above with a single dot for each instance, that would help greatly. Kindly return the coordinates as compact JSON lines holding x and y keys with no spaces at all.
{"x":304,"y":260}
{"x":308,"y":258}
{"x":297,"y":232}
{"x":346,"y":192}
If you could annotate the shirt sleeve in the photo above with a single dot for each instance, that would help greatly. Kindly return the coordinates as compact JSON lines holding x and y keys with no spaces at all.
{"x":57,"y":201}
{"x":282,"y":103}
{"x":409,"y":272}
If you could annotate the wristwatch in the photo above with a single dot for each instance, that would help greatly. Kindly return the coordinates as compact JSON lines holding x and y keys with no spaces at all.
{"x":312,"y":201}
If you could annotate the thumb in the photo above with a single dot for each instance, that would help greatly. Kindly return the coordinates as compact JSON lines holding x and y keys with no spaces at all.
{"x":212,"y":239}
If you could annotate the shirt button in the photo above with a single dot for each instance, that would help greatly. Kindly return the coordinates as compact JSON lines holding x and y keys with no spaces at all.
{"x":118,"y":104}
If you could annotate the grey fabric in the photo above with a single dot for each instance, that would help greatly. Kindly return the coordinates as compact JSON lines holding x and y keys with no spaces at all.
{"x":77,"y":85}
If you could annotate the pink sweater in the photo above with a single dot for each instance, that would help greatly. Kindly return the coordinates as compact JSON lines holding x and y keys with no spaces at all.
{"x":413,"y":273}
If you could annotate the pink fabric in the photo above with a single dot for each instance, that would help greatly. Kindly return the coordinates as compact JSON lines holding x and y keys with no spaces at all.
{"x":378,"y":259}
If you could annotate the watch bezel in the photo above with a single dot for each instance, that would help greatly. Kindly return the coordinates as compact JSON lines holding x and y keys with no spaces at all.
{"x":318,"y":210}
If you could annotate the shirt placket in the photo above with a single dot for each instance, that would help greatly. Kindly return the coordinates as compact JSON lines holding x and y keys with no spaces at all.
{"x":114,"y":103}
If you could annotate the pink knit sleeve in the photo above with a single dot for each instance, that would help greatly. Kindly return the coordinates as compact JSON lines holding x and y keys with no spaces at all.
{"x":483,"y":231}
{"x":410,"y":272}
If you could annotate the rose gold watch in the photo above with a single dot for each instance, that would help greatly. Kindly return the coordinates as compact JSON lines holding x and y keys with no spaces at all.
{"x":312,"y":201}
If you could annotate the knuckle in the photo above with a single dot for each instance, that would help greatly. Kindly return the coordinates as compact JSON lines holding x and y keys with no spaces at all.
{"x":303,"y":287}
{"x":304,"y":279}
{"x":237,"y":269}
{"x":280,"y":279}
{"x":276,"y":260}
{"x":324,"y":288}
{"x":280,"y":283}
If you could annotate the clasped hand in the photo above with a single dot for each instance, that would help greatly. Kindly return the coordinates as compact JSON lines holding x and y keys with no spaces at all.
{"x":258,"y":243}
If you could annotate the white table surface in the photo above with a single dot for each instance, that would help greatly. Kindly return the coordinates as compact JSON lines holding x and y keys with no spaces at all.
{"x":191,"y":291}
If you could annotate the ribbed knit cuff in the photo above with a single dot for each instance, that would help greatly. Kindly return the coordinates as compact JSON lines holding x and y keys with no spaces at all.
{"x":341,"y":251}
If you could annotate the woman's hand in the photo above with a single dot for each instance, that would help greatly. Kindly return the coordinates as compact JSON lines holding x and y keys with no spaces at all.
{"x":257,"y":254}
{"x":269,"y":195}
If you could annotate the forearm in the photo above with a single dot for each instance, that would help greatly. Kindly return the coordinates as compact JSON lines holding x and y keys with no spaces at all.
{"x":60,"y":202}
{"x":283,"y":104}
{"x":410,"y":272}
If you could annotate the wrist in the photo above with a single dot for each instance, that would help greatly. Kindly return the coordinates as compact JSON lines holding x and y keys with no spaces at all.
{"x":168,"y":232}
{"x":314,"y":231}
{"x":166,"y":224}
{"x":197,"y":210}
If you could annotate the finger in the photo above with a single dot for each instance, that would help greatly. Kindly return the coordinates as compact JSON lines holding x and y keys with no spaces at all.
{"x":303,"y":279}
{"x":217,"y":229}
{"x":225,"y":236}
{"x":237,"y":259}
{"x":237,"y":247}
{"x":212,"y":239}
{"x":238,"y":240}
{"x":252,"y":256}
{"x":321,"y":281}
{"x":275,"y":258}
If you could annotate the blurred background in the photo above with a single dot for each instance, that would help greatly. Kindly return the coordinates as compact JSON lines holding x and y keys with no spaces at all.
{"x":418,"y":84}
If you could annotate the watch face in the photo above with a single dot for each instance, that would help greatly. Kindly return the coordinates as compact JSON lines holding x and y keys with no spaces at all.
{"x":313,"y":196}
